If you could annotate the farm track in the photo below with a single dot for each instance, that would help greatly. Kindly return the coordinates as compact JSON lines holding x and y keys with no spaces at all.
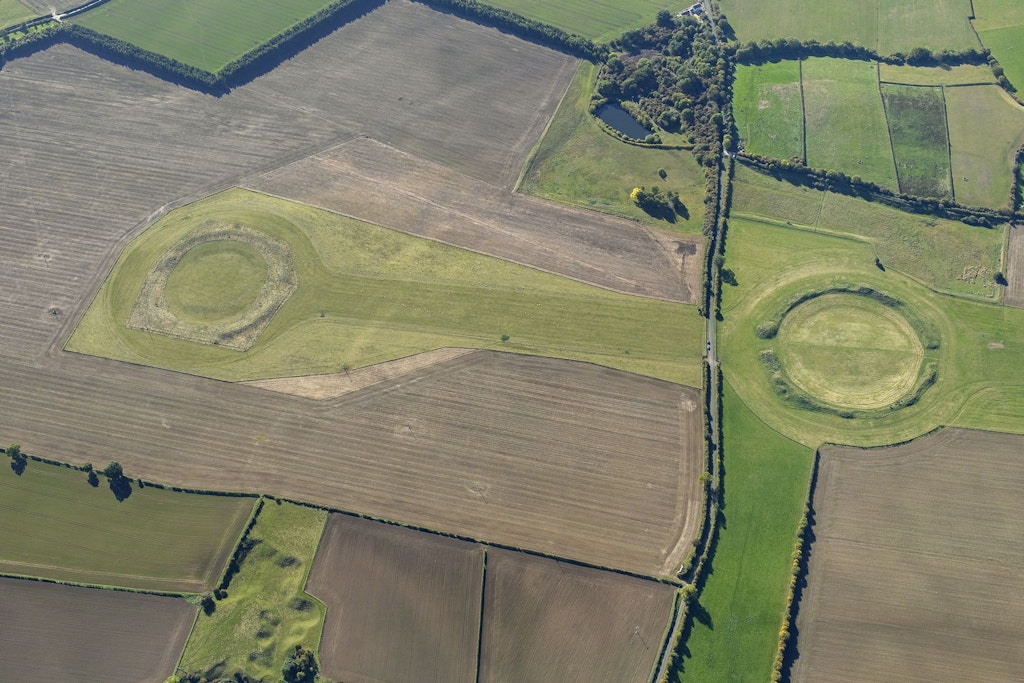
{"x":560,"y":457}
{"x":368,"y":180}
{"x":915,"y":567}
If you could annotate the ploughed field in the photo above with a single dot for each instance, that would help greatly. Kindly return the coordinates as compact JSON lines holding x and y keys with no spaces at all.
{"x":82,"y":635}
{"x":916,"y":564}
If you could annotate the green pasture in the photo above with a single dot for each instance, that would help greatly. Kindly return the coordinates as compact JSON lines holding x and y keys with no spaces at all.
{"x":55,"y":525}
{"x":768,"y":107}
{"x":595,"y":20}
{"x":917,"y":128}
{"x":735,"y":623}
{"x":846,"y":127}
{"x":1000,"y":25}
{"x":576,"y":162}
{"x":13,"y":12}
{"x":367,"y":294}
{"x":266,"y":612}
{"x":963,"y":74}
{"x":207,"y":34}
{"x":887,"y":26}
{"x":986,"y":127}
{"x":980,"y":353}
{"x":945,"y":255}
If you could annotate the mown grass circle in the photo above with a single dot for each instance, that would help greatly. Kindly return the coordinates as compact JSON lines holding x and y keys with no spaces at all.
{"x":216,"y":282}
{"x":849,"y":351}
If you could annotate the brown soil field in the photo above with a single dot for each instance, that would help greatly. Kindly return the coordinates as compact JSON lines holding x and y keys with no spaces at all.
{"x":917,"y":568}
{"x":546,"y":620}
{"x":402,"y":605}
{"x":83,"y":635}
{"x":371,"y":181}
{"x":556,"y":456}
{"x":1015,"y":268}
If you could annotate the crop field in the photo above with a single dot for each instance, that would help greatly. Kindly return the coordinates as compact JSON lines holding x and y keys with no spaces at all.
{"x":769,"y":109}
{"x":979,"y":344}
{"x":535,"y":610}
{"x":1015,"y":269}
{"x":402,"y":605}
{"x":576,"y":162}
{"x":266,"y":613}
{"x":946,"y":255}
{"x":903,"y":588}
{"x":370,"y":181}
{"x":207,"y":35}
{"x":846,"y":126}
{"x":736,"y":621}
{"x":601,"y":21}
{"x":350,"y":294}
{"x":55,"y":525}
{"x":82,"y":635}
{"x":1000,"y":26}
{"x":917,"y":128}
{"x":986,"y":127}
{"x":887,"y":26}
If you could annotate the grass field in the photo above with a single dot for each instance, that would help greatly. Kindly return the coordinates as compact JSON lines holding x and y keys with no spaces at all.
{"x":1000,"y":25}
{"x":83,"y":635}
{"x":207,"y":35}
{"x":266,"y":612}
{"x":769,"y":110}
{"x":945,"y":255}
{"x":986,"y":127}
{"x":916,"y":117}
{"x":402,"y":605}
{"x":963,"y":74}
{"x":13,"y":12}
{"x":980,"y":343}
{"x":367,"y":295}
{"x":915,"y":569}
{"x":578,"y":163}
{"x":885,"y":25}
{"x":736,"y":621}
{"x":600,"y":21}
{"x":545,"y":620}
{"x":53,"y":524}
{"x":846,"y":127}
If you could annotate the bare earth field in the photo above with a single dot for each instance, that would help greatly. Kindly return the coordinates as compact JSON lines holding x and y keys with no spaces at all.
{"x":550,"y":621}
{"x":84,"y":635}
{"x":917,"y":570}
{"x":1015,"y":269}
{"x":402,"y":605}
{"x":368,"y":180}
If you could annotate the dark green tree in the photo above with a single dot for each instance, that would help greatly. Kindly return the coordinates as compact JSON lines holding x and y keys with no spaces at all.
{"x":300,"y":667}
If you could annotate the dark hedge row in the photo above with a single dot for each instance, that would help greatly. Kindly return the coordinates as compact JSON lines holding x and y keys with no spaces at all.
{"x":773,"y":49}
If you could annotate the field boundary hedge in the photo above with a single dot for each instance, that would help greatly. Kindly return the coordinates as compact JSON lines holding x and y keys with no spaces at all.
{"x":96,"y":586}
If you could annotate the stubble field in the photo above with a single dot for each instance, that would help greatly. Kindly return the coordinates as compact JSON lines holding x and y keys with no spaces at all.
{"x":915,"y":568}
{"x":82,"y":635}
{"x":1015,"y":269}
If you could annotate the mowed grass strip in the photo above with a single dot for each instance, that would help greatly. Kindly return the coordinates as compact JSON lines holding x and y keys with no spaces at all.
{"x":986,"y":128}
{"x":578,"y":163}
{"x":982,"y":344}
{"x":734,"y":625}
{"x":600,"y":20}
{"x":769,"y":109}
{"x":367,"y":294}
{"x":383,"y":585}
{"x":266,"y":613}
{"x":915,"y":568}
{"x":846,"y":127}
{"x":82,"y":635}
{"x":207,"y":34}
{"x":916,"y":116}
{"x":53,"y":524}
{"x":546,"y":620}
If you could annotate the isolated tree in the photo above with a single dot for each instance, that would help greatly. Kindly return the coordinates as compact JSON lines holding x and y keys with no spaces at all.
{"x":18,"y":459}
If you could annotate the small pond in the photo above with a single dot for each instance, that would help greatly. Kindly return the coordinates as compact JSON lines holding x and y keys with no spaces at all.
{"x":620,"y":119}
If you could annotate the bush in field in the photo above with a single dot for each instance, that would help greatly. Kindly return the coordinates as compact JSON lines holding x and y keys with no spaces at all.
{"x":664,"y":204}
{"x":18,"y":459}
{"x":120,"y":485}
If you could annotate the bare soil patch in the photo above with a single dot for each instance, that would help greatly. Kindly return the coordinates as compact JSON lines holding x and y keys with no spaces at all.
{"x":916,"y":570}
{"x":1014,"y":295}
{"x":338,"y":384}
{"x":374,"y":182}
{"x":402,"y":605}
{"x":82,"y":635}
{"x":546,"y":620}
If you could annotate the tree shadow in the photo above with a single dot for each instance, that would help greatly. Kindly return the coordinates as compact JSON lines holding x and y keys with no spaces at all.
{"x":121,"y":487}
{"x":18,"y":464}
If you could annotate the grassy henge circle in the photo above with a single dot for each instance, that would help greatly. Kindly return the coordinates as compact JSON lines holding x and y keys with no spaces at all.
{"x":215,"y":282}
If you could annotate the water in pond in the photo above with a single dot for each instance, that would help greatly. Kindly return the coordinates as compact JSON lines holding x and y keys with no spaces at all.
{"x":620,"y":119}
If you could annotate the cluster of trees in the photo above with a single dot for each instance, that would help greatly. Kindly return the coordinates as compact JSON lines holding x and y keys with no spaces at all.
{"x":792,"y":48}
{"x":19,"y":461}
{"x":528,"y":29}
{"x":300,"y":667}
{"x":664,"y":204}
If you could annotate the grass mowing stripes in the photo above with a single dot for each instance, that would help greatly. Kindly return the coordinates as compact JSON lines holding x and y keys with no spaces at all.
{"x":916,"y":116}
{"x":266,"y":613}
{"x":54,"y":525}
{"x":735,"y":623}
{"x":769,"y":109}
